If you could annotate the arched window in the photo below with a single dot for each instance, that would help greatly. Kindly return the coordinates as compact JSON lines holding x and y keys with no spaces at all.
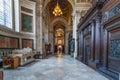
{"x":6,"y":13}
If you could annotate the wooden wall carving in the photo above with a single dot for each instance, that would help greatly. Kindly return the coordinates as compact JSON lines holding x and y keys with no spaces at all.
{"x":99,"y":42}
{"x":9,"y":42}
{"x":114,"y":11}
{"x":27,"y":43}
{"x":87,"y":50}
{"x":114,"y":48}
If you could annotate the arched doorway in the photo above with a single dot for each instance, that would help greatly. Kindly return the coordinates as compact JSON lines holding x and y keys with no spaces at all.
{"x":52,"y":22}
{"x":59,"y":38}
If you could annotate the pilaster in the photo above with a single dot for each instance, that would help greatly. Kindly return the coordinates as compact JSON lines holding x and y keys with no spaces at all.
{"x":92,"y":40}
{"x":97,"y":40}
{"x":39,"y":29}
{"x":76,"y":17}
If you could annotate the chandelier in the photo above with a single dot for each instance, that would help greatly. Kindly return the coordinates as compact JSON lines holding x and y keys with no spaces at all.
{"x":57,"y":10}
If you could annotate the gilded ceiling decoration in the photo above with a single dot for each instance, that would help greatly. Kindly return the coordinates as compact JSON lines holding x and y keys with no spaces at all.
{"x":59,"y":33}
{"x":57,"y":10}
{"x":65,"y":7}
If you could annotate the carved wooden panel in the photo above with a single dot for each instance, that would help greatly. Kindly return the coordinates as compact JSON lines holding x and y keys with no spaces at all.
{"x":86,"y":47}
{"x":27,"y":43}
{"x":114,"y":64}
{"x":111,"y":13}
{"x":87,"y":30}
{"x":114,"y":49}
{"x":114,"y":11}
{"x":8,"y":42}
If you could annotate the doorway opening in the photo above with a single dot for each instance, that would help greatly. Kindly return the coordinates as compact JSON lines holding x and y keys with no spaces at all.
{"x":59,"y":38}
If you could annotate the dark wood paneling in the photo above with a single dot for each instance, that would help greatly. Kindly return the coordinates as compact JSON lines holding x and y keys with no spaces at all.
{"x":114,"y":64}
{"x":8,"y":42}
{"x":27,"y":43}
{"x":87,"y":49}
{"x":114,"y":49}
{"x":104,"y":40}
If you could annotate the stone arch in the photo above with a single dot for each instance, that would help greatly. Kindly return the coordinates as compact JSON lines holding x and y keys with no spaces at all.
{"x":60,"y":20}
{"x":47,"y":1}
{"x":51,"y":30}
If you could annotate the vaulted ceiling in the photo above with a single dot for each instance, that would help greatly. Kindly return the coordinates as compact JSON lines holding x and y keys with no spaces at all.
{"x":65,"y":7}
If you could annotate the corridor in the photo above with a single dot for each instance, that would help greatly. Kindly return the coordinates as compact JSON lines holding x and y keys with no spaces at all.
{"x":53,"y":68}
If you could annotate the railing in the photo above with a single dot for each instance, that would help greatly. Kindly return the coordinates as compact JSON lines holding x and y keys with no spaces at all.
{"x":5,"y":52}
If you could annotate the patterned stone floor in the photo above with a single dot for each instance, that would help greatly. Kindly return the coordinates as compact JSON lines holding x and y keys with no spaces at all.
{"x":53,"y":68}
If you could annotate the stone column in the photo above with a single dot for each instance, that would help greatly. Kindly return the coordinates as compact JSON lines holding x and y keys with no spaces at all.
{"x":76,"y":17}
{"x":74,"y":36}
{"x":20,"y":43}
{"x":66,"y":41}
{"x":51,"y":41}
{"x":41,"y":30}
{"x":39,"y":34}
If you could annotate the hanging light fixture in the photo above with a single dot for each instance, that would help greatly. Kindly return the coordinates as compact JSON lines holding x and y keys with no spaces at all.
{"x":57,"y":10}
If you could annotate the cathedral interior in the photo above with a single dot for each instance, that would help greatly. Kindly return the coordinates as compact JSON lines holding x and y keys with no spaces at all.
{"x":59,"y":39}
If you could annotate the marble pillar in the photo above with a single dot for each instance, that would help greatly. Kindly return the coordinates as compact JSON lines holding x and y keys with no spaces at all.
{"x":76,"y":17}
{"x":66,"y":42}
{"x":39,"y":28}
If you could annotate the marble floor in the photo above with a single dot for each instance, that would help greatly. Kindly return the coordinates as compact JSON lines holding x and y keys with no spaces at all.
{"x":54,"y":68}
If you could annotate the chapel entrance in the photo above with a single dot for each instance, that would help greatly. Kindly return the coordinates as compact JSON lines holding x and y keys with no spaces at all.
{"x":59,"y":38}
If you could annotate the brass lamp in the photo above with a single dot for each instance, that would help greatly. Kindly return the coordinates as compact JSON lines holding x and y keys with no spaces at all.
{"x":57,"y":10}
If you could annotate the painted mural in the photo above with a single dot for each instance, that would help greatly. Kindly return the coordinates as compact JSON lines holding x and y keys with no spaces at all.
{"x":27,"y":23}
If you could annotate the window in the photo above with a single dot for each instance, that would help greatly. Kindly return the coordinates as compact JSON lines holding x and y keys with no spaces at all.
{"x":16,"y":12}
{"x":6,"y":13}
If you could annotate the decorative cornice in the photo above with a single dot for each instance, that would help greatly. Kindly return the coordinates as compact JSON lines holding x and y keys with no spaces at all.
{"x":112,"y":22}
{"x":111,"y":13}
{"x":7,"y":31}
{"x":90,"y":13}
{"x":82,"y":5}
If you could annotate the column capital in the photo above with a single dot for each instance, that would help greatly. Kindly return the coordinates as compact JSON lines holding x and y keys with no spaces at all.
{"x":76,"y":13}
{"x":98,"y":19}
